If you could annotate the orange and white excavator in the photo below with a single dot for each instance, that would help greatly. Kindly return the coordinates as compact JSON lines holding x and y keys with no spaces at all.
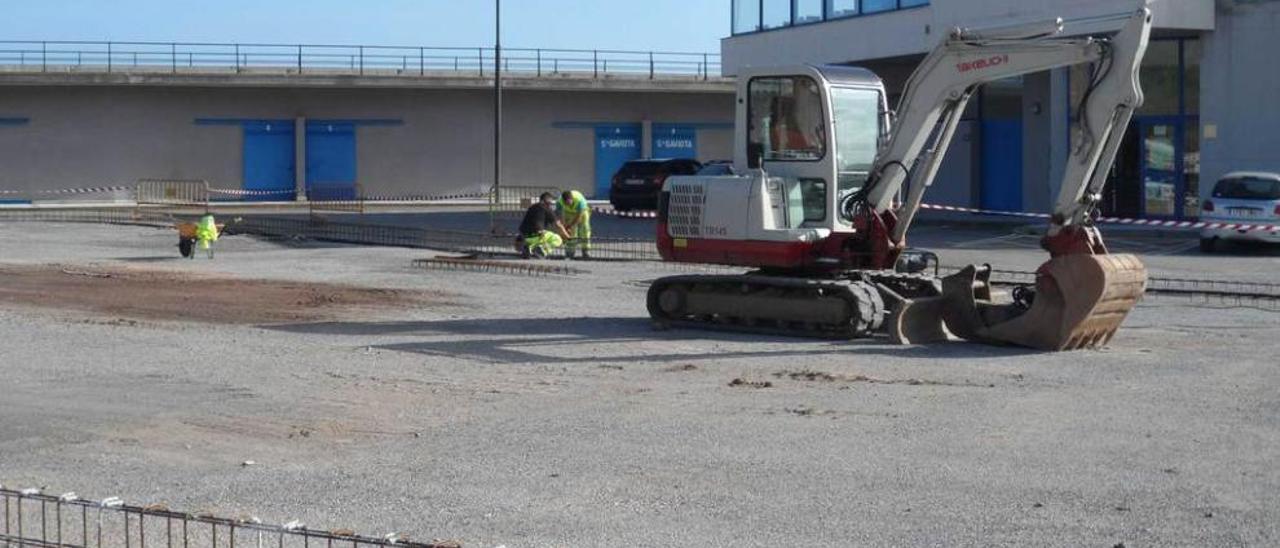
{"x":833,"y":179}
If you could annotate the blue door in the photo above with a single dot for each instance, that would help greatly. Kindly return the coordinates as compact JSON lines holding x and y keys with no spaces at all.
{"x":269,"y":159}
{"x":675,"y":141}
{"x":615,"y":145}
{"x":1002,"y":165}
{"x":331,"y":160}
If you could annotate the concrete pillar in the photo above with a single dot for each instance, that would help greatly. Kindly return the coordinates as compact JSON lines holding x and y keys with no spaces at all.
{"x":300,"y":157}
{"x":1044,"y":138}
{"x":646,"y":139}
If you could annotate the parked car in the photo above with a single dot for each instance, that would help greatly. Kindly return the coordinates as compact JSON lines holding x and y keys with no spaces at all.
{"x":639,"y":182}
{"x":1242,"y":197}
{"x":717,"y":168}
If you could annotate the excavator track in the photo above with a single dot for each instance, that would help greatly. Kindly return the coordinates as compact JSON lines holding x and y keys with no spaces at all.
{"x":770,"y":304}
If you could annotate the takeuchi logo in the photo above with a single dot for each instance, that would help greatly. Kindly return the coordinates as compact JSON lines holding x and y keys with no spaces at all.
{"x":993,"y":61}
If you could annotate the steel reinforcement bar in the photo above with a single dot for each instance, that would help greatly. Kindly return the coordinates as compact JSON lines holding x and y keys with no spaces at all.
{"x":32,"y":518}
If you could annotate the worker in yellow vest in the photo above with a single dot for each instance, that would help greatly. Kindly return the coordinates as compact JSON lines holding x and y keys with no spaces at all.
{"x":207,"y":233}
{"x":575,"y":212}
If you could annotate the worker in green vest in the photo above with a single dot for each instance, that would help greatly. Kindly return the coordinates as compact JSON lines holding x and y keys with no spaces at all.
{"x":575,"y":212}
{"x":207,"y":233}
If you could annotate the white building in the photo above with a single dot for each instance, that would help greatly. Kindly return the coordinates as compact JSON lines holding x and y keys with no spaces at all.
{"x":1210,"y":77}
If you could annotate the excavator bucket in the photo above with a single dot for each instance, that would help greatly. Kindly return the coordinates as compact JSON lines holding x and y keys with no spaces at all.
{"x":1080,"y":302}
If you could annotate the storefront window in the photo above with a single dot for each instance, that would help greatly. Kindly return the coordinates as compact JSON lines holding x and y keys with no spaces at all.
{"x":808,"y":11}
{"x":1192,"y":51}
{"x":1160,"y":79}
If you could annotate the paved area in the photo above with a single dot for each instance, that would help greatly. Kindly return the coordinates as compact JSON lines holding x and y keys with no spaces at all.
{"x":519,"y":411}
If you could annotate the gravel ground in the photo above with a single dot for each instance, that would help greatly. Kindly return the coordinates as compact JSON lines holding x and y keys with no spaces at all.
{"x":527,"y":411}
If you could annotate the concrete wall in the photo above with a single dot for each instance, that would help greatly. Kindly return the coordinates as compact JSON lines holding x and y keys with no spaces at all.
{"x":915,"y":31}
{"x":96,"y":135}
{"x":1239,"y":86}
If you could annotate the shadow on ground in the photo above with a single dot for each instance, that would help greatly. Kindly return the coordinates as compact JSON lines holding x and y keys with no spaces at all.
{"x":596,"y":340}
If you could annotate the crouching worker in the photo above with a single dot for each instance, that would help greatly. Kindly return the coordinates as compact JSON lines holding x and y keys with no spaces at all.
{"x":576,"y":214}
{"x":207,"y":233}
{"x":540,"y":231}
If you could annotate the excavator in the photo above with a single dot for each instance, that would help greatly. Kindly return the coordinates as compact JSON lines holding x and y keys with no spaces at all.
{"x":830,"y":180}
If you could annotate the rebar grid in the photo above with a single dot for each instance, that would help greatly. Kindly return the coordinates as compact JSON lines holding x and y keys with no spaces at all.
{"x":32,"y":518}
{"x":497,"y":267}
{"x":1241,"y":293}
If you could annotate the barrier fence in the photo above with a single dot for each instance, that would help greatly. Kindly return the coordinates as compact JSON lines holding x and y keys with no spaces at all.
{"x":32,"y":518}
{"x":186,"y":193}
{"x":188,"y":57}
{"x":335,"y":197}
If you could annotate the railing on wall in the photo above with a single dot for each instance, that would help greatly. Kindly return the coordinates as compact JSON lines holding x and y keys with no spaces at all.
{"x":180,"y":57}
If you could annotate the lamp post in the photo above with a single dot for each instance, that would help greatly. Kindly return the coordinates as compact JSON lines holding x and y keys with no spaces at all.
{"x":497,"y":100}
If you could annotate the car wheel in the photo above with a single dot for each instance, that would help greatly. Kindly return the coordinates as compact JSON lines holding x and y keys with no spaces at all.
{"x":1208,"y":245}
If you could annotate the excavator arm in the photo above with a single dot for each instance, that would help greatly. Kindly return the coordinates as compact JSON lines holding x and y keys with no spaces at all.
{"x":937,"y":93}
{"x":1082,"y":294}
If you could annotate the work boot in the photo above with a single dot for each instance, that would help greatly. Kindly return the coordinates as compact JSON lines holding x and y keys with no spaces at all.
{"x":585,"y":256}
{"x":568,"y":253}
{"x":539,"y":253}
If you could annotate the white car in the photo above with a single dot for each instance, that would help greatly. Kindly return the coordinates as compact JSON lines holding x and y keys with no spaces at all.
{"x":1243,"y":197}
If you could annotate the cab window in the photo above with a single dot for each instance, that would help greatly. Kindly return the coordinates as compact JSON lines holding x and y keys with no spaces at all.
{"x":785,"y":120}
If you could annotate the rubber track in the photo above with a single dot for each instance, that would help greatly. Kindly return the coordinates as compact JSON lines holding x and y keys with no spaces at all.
{"x":863,"y":296}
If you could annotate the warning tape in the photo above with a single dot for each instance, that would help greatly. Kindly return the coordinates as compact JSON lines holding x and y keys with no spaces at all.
{"x":625,"y":214}
{"x":242,"y":192}
{"x":1115,"y":220}
{"x":86,"y":190}
{"x":428,"y":198}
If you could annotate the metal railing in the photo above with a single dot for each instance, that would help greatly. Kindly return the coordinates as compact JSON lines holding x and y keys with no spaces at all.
{"x":32,"y":518}
{"x":188,"y":57}
{"x":335,"y":197}
{"x":191,"y":193}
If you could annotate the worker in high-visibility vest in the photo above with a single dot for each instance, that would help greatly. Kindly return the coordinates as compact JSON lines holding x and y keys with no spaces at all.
{"x":576,"y":214}
{"x":207,"y":233}
{"x":541,"y":230}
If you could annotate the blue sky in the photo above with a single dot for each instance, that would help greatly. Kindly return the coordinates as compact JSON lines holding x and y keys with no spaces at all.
{"x":667,"y":25}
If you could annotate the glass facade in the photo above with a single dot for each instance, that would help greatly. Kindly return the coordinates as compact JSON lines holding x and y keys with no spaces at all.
{"x":757,"y":15}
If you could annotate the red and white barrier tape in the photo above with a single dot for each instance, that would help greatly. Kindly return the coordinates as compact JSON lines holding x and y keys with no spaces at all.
{"x":1116,"y":220}
{"x":243,"y":192}
{"x":431,"y":198}
{"x":87,"y":190}
{"x":625,"y":214}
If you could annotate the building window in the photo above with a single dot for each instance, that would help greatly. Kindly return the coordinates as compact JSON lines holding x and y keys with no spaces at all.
{"x":777,"y":14}
{"x":877,"y":6}
{"x":757,"y":15}
{"x":808,"y":11}
{"x":746,"y":16}
{"x":841,"y":8}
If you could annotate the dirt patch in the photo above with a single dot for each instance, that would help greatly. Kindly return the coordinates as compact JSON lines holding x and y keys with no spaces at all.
{"x":744,"y":383}
{"x":820,"y":376}
{"x":152,"y":294}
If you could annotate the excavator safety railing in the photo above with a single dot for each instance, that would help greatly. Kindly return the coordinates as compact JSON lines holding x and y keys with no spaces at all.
{"x":32,"y":518}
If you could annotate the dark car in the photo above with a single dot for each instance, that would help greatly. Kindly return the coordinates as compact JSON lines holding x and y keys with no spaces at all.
{"x":639,"y":182}
{"x":717,"y":168}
